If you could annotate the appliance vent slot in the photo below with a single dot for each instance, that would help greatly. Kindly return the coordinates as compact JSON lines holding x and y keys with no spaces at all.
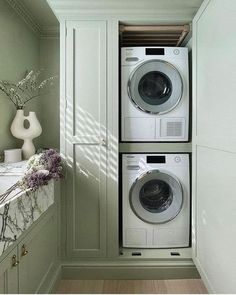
{"x":136,"y":254}
{"x":174,"y":253}
{"x":174,"y":128}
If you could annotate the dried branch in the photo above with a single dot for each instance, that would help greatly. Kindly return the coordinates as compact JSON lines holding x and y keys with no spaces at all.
{"x":26,"y":89}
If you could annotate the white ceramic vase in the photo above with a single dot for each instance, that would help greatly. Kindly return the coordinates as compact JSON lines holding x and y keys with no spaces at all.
{"x":27,"y":134}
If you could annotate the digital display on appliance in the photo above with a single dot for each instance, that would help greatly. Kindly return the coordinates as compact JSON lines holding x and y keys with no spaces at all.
{"x":155,"y":51}
{"x":156,"y":159}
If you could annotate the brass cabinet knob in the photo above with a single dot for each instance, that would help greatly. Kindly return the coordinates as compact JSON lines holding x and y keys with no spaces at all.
{"x":15,"y":262}
{"x":24,"y":251}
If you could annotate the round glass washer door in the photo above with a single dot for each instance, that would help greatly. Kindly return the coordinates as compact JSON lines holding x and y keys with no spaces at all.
{"x":156,"y":197}
{"x":155,"y":87}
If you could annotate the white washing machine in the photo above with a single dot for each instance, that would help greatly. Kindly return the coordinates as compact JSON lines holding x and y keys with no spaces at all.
{"x":154,"y":94}
{"x":155,"y":200}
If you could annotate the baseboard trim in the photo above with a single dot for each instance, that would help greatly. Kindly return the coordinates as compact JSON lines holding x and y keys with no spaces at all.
{"x":129,"y":272}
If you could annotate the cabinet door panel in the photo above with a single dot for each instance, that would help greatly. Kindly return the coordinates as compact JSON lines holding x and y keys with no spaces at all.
{"x":9,"y":274}
{"x":86,"y":81}
{"x":214,"y":144}
{"x":41,"y":245}
{"x":86,"y":133}
{"x":89,"y":200}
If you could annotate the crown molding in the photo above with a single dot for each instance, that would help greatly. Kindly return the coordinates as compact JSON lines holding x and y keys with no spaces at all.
{"x":24,"y":13}
{"x":29,"y":19}
{"x":50,"y":32}
{"x":186,"y":9}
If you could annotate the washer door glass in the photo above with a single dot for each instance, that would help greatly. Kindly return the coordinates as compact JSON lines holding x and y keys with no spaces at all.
{"x":155,"y":86}
{"x":156,"y":197}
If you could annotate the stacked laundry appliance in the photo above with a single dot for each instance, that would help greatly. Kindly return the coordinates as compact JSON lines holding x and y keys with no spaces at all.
{"x":155,"y":108}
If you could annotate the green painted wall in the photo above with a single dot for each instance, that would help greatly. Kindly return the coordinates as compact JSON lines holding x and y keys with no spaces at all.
{"x":21,"y":49}
{"x":50,"y":62}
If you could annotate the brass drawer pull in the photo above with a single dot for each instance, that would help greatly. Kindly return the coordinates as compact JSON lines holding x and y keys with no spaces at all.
{"x":15,"y":262}
{"x":24,"y":251}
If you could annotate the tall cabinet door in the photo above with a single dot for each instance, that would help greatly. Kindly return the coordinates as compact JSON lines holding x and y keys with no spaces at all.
{"x":86,"y":137}
{"x":214,"y":144}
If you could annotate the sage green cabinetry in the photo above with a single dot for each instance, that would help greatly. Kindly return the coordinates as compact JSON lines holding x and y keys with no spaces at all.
{"x":37,"y":256}
{"x":86,"y":137}
{"x":9,"y":273}
{"x":31,"y":265}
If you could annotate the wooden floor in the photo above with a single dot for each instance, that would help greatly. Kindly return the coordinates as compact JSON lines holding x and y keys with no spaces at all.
{"x":131,"y":287}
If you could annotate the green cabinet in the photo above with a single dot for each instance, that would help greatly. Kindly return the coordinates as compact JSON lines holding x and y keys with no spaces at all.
{"x":37,"y":255}
{"x":9,"y":273}
{"x":30,"y":267}
{"x":89,"y":136}
{"x":86,"y":137}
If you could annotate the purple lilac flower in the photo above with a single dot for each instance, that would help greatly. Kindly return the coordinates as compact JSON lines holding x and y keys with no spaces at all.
{"x":36,"y":179}
{"x":41,"y":169}
{"x":52,"y":162}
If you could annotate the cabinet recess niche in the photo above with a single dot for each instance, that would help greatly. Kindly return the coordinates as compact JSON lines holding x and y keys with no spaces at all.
{"x":89,"y":130}
{"x":91,"y":137}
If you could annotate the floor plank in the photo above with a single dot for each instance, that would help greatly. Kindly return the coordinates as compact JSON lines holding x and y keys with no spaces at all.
{"x":193,"y":286}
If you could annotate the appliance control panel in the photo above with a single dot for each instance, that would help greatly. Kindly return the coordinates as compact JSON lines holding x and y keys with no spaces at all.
{"x":139,"y":161}
{"x":133,"y":55}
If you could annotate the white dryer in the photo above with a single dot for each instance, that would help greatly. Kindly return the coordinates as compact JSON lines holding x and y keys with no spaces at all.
{"x":154,"y":94}
{"x":155,"y":200}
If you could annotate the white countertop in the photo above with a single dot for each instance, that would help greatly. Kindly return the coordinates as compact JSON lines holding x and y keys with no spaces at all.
{"x":18,"y":168}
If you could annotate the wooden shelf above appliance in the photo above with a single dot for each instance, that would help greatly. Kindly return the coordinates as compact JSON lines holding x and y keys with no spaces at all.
{"x":153,"y":35}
